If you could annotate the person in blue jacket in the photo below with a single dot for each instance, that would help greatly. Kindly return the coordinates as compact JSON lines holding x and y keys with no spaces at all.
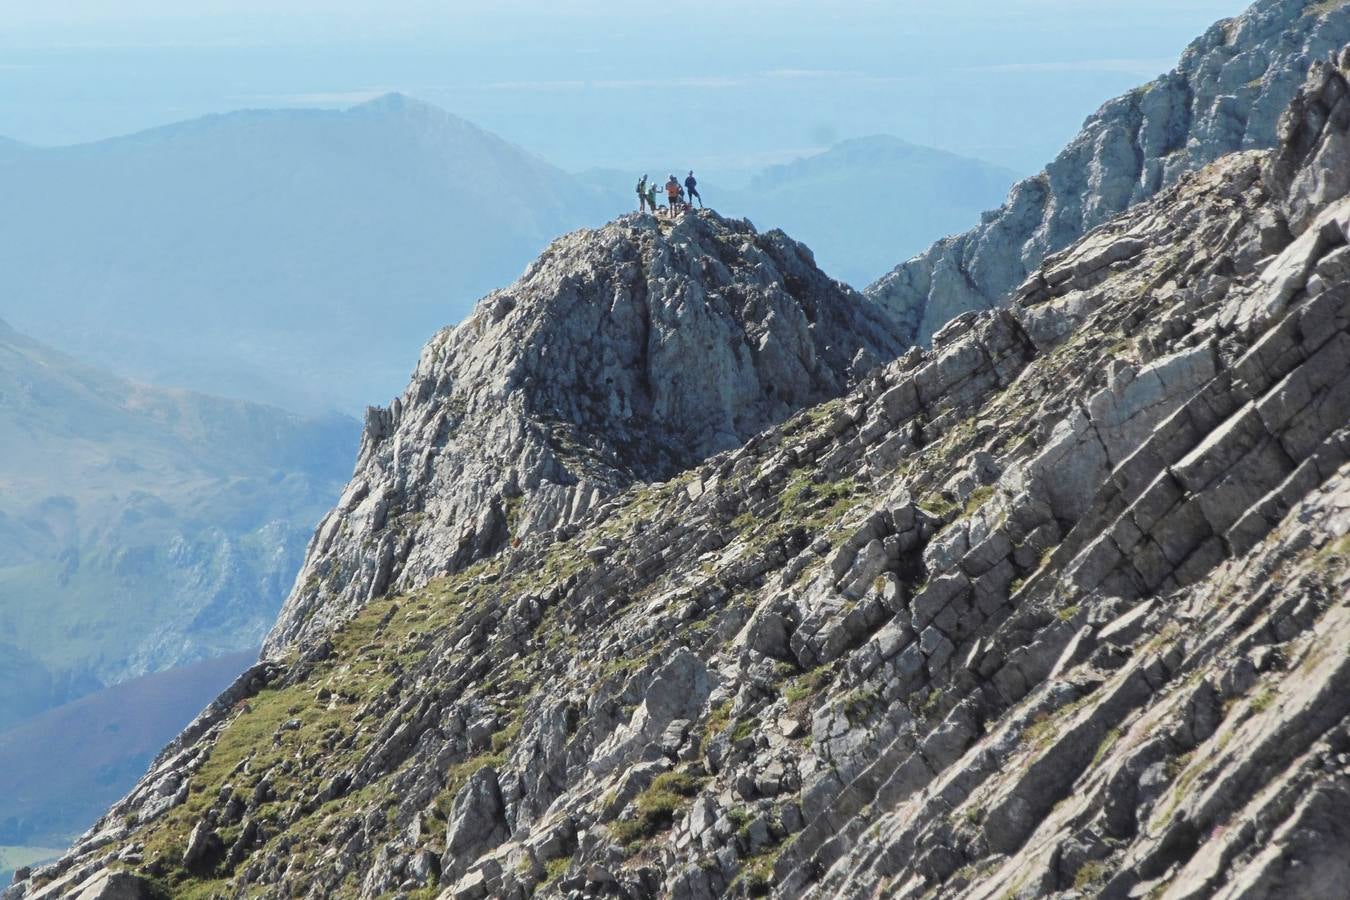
{"x":691,"y":188}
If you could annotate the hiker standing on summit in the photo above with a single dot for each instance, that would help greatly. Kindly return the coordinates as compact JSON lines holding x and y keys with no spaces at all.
{"x":691,"y":185}
{"x":673,"y":194}
{"x":642,"y":196}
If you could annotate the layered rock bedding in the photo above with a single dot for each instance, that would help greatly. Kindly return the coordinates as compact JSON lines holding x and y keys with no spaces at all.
{"x":1058,"y":607}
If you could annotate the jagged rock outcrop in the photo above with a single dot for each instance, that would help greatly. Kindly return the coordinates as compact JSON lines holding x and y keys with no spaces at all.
{"x":1059,"y":607}
{"x":1225,"y":95}
{"x":574,"y":382}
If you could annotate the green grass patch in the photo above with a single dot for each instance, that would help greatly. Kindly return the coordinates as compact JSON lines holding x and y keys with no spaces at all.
{"x":1323,"y":7}
{"x":656,"y":808}
{"x":555,"y":869}
{"x":806,"y":686}
{"x":1264,"y":699}
{"x":682,"y":783}
{"x":756,"y":875}
{"x":1183,"y":776}
{"x":719,"y":717}
{"x":739,"y":817}
{"x":1089,"y":875}
{"x":857,"y":704}
{"x":745,"y":521}
{"x":1040,"y":733}
{"x":938,"y":505}
{"x":978,"y":498}
{"x":745,"y":729}
{"x":1105,"y":746}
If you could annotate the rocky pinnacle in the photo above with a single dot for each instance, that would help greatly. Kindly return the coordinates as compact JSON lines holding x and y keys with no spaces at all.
{"x":623,"y":354}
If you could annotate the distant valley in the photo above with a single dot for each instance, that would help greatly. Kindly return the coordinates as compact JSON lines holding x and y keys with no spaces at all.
{"x":52,"y":786}
{"x":142,"y":528}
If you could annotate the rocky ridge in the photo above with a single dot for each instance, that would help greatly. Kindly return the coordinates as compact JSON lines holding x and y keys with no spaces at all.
{"x":572,"y":384}
{"x":1225,"y":95}
{"x":1059,"y":607}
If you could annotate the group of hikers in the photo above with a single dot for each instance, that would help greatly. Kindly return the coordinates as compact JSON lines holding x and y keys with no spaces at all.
{"x":679,"y":198}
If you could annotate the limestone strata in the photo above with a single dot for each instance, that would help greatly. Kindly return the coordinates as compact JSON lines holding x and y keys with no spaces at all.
{"x":1060,"y":607}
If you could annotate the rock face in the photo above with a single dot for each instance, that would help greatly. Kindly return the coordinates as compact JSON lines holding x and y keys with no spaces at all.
{"x":1058,"y":608}
{"x":1225,"y":95}
{"x":573,"y":383}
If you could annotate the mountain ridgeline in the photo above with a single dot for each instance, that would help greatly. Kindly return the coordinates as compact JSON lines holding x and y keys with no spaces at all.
{"x":1225,"y":95}
{"x":674,"y":574}
{"x":245,"y":253}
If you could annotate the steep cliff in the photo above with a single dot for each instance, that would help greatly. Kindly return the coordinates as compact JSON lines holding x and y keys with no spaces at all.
{"x":1225,"y":95}
{"x":623,"y":354}
{"x":1059,"y":607}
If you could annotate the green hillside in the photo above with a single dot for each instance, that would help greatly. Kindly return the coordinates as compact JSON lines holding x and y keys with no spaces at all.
{"x":142,"y":528}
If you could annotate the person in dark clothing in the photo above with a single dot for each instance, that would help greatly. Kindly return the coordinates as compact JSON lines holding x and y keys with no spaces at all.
{"x":691,"y":185}
{"x":642,"y":195}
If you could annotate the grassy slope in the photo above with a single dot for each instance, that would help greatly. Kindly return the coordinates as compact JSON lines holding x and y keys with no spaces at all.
{"x":53,"y":787}
{"x":393,"y":636}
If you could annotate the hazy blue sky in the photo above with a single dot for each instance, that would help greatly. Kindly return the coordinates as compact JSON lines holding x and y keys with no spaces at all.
{"x":729,"y":85}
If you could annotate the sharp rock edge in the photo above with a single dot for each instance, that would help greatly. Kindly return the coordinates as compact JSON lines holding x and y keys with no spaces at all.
{"x":1225,"y":95}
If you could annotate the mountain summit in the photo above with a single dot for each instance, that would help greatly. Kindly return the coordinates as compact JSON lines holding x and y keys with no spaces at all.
{"x":623,"y":354}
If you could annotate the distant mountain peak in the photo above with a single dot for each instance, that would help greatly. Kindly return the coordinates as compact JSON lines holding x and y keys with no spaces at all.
{"x":878,"y":141}
{"x":398,"y":102}
{"x":397,"y":106}
{"x":290,"y":218}
{"x":879,"y":150}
